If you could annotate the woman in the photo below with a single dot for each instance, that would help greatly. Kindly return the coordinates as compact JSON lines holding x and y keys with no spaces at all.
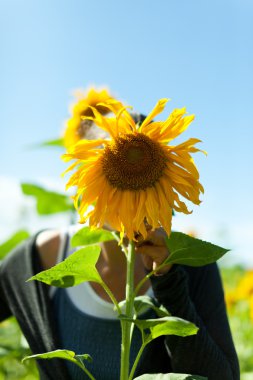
{"x":82,"y":319}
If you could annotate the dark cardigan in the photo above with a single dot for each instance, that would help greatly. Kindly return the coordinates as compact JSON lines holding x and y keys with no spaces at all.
{"x":191,"y":293}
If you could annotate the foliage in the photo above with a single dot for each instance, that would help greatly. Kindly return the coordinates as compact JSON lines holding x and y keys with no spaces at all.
{"x":12,"y":349}
{"x":188,"y":250}
{"x":79,"y":360}
{"x":53,"y":143}
{"x":81,"y":266}
{"x":240,"y":322}
{"x":77,"y":268}
{"x":11,"y":243}
{"x":239,"y":317}
{"x":85,"y":236}
{"x":48,"y":202}
{"x":171,"y":376}
{"x":184,"y":250}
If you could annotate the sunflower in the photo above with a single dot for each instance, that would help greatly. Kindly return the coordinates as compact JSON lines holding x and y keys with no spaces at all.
{"x":134,"y":177}
{"x":244,"y":289}
{"x":77,"y":128}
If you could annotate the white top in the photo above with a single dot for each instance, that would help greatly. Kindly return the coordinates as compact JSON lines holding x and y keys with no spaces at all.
{"x":83,"y":295}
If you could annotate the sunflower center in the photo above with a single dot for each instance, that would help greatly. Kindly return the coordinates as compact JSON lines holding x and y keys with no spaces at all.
{"x":101,"y":109}
{"x":133,"y":162}
{"x":134,"y":154}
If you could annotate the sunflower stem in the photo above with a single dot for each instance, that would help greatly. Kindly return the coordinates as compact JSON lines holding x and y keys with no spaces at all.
{"x":126,"y":326}
{"x":84,"y":369}
{"x":142,"y":282}
{"x":137,"y":361}
{"x":124,"y":249}
{"x":113,"y":299}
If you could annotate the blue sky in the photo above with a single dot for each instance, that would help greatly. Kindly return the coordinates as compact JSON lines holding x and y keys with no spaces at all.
{"x":198,"y":53}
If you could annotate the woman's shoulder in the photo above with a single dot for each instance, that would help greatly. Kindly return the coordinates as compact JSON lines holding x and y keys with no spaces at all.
{"x":51,"y":245}
{"x":47,"y":246}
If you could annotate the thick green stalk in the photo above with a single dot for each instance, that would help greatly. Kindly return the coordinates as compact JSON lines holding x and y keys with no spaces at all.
{"x":126,"y":325}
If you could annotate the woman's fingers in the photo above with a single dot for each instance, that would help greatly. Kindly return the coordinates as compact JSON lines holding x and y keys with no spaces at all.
{"x":153,"y":250}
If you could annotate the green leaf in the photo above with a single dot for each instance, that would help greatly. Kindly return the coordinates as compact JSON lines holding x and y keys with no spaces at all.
{"x":190,"y":251}
{"x":84,"y":357}
{"x":86,"y":236}
{"x":55,"y":142}
{"x":60,"y":354}
{"x":142,"y":303}
{"x":48,"y":202}
{"x":66,"y":355}
{"x":167,"y":326}
{"x":14,"y":240}
{"x":163,"y":326}
{"x":175,"y":326}
{"x":170,"y":376}
{"x":77,"y":268}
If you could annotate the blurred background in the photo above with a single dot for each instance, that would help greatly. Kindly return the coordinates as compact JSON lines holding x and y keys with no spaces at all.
{"x":197,"y":53}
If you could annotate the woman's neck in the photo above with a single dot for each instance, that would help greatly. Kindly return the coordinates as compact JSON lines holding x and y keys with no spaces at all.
{"x":112,"y":256}
{"x":111,"y":266}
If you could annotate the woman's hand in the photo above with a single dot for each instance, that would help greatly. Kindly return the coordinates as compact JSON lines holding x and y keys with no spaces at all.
{"x":153,"y":250}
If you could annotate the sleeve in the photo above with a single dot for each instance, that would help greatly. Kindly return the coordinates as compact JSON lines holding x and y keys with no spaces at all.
{"x":4,"y":308}
{"x":196,"y":294}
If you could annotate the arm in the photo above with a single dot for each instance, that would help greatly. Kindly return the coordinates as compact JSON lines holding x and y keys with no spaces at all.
{"x":4,"y":308}
{"x":47,"y":245}
{"x":196,"y":294}
{"x":29,"y":302}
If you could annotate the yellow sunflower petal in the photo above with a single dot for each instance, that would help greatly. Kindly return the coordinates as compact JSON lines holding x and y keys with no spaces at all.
{"x":190,"y":194}
{"x":126,"y":211}
{"x":180,"y":206}
{"x":175,"y":125}
{"x":168,"y":190}
{"x":98,"y":215}
{"x":84,"y":149}
{"x":71,"y":167}
{"x":71,"y":135}
{"x":82,"y":155}
{"x":152,"y":208}
{"x":187,"y":144}
{"x":159,"y":107}
{"x":140,"y":210}
{"x":113,"y":105}
{"x":75,"y":127}
{"x":112,"y":216}
{"x":91,"y":192}
{"x":101,"y":121}
{"x":165,"y":218}
{"x":124,"y":115}
{"x":91,"y":98}
{"x":181,"y":176}
{"x":121,"y":113}
{"x":74,"y":180}
{"x":152,"y":130}
{"x":184,"y":160}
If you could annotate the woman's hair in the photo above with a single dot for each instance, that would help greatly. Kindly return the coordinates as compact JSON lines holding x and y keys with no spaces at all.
{"x":138,"y":117}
